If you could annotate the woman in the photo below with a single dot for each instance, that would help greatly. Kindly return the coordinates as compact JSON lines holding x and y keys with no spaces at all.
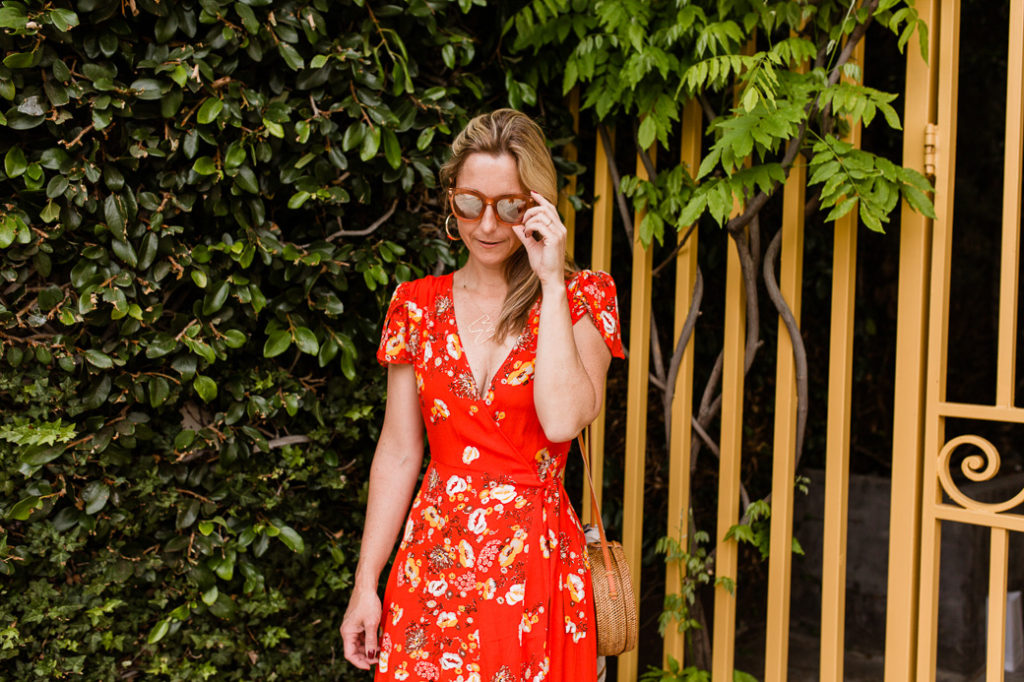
{"x":503,"y":362}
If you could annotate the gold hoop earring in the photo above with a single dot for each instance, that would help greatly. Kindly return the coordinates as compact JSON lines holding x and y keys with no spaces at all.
{"x":448,"y":230}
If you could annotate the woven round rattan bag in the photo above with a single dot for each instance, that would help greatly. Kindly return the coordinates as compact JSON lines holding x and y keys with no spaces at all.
{"x":617,"y":623}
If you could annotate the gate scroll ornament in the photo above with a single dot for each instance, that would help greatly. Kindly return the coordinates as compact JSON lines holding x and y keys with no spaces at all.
{"x":977,"y":468}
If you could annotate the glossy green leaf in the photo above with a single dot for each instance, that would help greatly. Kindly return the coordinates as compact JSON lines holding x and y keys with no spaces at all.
{"x":158,"y":632}
{"x":215,"y":297}
{"x":15,"y":162}
{"x":210,"y":110}
{"x":291,"y":539}
{"x":305,"y":339}
{"x":98,"y":359}
{"x":277,"y":343}
{"x":205,"y":387}
{"x":291,"y":56}
{"x":24,"y":508}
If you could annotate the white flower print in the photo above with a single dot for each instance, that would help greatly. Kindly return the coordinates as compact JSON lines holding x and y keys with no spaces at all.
{"x":456,"y":485}
{"x":470,"y":454}
{"x":608,"y":322}
{"x":515,"y":594}
{"x":437,"y":587}
{"x":466,"y":555}
{"x":447,"y":619}
{"x":478,"y":521}
{"x":415,"y":312}
{"x":450,"y":660}
{"x":504,"y":493}
{"x":575,"y":585}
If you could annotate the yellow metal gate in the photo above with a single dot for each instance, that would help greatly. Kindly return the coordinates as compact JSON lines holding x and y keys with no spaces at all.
{"x":921,"y":454}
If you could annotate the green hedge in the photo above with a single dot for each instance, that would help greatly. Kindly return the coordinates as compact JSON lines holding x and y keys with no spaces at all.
{"x":190,"y":296}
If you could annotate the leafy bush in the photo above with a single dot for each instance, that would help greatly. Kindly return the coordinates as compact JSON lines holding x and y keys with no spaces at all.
{"x":205,"y":207}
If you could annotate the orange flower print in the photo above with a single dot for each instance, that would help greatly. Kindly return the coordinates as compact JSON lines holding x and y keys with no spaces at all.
{"x":440,"y":411}
{"x":520,"y":374}
{"x":466,"y":555}
{"x":574,"y":583}
{"x":454,"y":347}
{"x":396,"y":344}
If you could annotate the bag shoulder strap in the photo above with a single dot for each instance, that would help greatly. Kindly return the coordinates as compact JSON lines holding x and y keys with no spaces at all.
{"x":584,"y":441}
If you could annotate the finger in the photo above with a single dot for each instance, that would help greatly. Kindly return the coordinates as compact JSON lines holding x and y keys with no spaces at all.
{"x":370,"y":644}
{"x":525,"y":235}
{"x":546,"y":212}
{"x":354,"y":650}
{"x":547,"y":222}
{"x":540,"y":199}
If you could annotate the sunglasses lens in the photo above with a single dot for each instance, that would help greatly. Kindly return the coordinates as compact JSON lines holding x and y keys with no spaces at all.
{"x":467,"y":206}
{"x":511,"y":209}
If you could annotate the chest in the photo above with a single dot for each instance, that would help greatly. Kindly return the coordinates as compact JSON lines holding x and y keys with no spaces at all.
{"x":457,"y":356}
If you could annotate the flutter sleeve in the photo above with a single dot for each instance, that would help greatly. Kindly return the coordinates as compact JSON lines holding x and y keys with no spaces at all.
{"x":400,"y":336}
{"x":593,"y":293}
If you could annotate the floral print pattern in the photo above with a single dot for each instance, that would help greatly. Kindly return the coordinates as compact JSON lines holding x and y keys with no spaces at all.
{"x":491,"y":581}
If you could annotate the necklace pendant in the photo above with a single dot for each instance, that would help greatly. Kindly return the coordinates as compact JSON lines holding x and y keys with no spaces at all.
{"x":482,"y":328}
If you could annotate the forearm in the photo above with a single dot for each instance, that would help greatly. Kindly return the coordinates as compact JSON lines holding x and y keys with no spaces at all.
{"x":563,"y":393}
{"x":392,"y":482}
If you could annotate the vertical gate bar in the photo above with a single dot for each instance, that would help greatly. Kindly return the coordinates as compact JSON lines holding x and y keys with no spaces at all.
{"x":570,"y":153}
{"x":636,"y":416}
{"x":938,"y":323}
{"x":784,"y":447}
{"x":682,"y":403}
{"x":995,"y":634}
{"x":600,"y":259}
{"x":837,"y":445}
{"x":1013,"y":171}
{"x":724,"y":639}
{"x":908,"y":410}
{"x":730,"y":446}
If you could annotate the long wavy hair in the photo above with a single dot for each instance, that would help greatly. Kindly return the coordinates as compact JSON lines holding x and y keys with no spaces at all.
{"x":507,"y":131}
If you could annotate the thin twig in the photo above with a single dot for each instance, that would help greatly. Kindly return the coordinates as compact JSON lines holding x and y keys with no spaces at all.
{"x":675,"y":252}
{"x":78,"y":138}
{"x":712,"y":445}
{"x":613,"y":169}
{"x":705,"y":105}
{"x":372,"y":228}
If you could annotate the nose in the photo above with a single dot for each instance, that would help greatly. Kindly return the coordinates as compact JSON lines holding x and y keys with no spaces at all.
{"x":488,"y":219}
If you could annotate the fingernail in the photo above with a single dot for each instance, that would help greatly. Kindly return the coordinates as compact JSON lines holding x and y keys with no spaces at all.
{"x":372,"y":653}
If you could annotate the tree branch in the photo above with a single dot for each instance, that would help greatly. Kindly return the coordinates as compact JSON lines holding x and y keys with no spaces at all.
{"x":799,"y":350}
{"x":677,"y":356}
{"x":372,"y":228}
{"x":613,"y":169}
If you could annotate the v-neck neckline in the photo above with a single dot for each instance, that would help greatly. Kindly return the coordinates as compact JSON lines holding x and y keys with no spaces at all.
{"x":464,"y":356}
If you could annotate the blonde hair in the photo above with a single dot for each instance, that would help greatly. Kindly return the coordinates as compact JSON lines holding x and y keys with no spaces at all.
{"x":507,"y":131}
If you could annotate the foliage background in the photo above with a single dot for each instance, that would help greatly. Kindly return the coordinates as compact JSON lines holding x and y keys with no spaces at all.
{"x":190,"y":297}
{"x":205,"y":206}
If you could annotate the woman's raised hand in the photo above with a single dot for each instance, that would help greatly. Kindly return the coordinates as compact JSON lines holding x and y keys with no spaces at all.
{"x":359,"y":629}
{"x":546,"y":254}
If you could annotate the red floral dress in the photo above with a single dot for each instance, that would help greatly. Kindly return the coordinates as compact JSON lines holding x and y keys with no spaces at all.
{"x":491,"y":581}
